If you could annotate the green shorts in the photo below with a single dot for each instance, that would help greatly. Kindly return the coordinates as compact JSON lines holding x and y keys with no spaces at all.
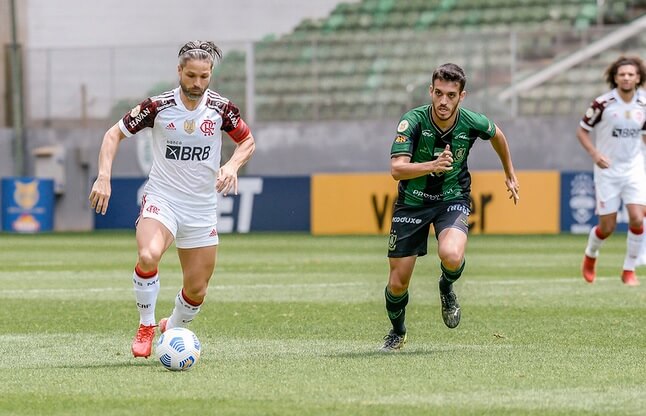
{"x":410,"y":226}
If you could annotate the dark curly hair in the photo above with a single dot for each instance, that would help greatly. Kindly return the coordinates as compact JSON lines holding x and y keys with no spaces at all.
{"x":201,"y":50}
{"x":450,"y":72}
{"x":635,"y":61}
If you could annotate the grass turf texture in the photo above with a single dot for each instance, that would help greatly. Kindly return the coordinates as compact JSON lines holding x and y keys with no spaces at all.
{"x":292,"y":325}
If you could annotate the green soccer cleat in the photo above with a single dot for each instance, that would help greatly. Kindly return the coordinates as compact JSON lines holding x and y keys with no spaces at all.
{"x":450,"y":309}
{"x":393,"y":342}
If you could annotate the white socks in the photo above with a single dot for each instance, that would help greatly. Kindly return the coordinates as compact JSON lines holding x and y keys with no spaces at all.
{"x":594,"y":243}
{"x":641,"y":259}
{"x":183,"y":313}
{"x":634,"y":243}
{"x":146,"y":291}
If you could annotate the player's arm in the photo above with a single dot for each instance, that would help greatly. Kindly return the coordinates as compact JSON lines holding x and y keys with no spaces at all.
{"x":101,"y":190}
{"x":401,"y":168}
{"x":598,"y":158}
{"x":500,"y":145}
{"x":228,"y":174}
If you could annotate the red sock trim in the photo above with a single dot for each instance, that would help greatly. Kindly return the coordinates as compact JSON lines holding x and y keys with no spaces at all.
{"x":189,"y":301}
{"x":637,"y":230}
{"x":600,"y":236}
{"x":145,"y":275}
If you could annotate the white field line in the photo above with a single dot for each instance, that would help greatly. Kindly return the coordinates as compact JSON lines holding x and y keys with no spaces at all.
{"x":287,"y":286}
{"x":263,"y":286}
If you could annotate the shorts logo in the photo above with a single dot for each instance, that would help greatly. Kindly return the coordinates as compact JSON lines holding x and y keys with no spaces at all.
{"x":187,"y":152}
{"x":392,"y":241}
{"x":458,"y":207}
{"x":153,"y":209}
{"x":213,"y":233}
{"x":407,"y":220}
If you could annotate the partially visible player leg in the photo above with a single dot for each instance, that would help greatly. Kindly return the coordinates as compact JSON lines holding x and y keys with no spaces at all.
{"x":634,"y":242}
{"x":146,"y":287}
{"x":153,"y":239}
{"x":396,"y":295}
{"x":451,"y":246}
{"x":197,"y":267}
{"x":451,"y":231}
{"x":596,"y":237}
{"x":641,"y":259}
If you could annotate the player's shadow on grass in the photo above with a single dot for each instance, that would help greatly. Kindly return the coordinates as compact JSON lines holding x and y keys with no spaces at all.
{"x":377,"y":353}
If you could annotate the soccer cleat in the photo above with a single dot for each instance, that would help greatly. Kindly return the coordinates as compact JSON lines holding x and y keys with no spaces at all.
{"x":629,"y":278}
{"x":143,"y":342}
{"x":450,"y":309}
{"x":393,"y":342}
{"x":587,"y":268}
{"x":162,"y":325}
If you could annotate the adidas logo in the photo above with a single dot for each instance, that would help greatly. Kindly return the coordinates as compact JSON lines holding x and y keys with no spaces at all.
{"x":213,"y":233}
{"x":171,"y":126}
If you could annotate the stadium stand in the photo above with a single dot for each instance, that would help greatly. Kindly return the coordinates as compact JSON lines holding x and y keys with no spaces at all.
{"x":372,"y":59}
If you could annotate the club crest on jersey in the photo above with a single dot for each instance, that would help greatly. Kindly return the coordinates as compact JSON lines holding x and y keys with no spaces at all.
{"x":459,"y":153}
{"x":207,"y":127}
{"x":189,"y":126}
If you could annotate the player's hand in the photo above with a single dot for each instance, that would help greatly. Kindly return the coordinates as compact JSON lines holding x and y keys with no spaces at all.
{"x":100,"y":195}
{"x":602,"y":161}
{"x":513,"y":187}
{"x":444,"y":161}
{"x":227,"y":181}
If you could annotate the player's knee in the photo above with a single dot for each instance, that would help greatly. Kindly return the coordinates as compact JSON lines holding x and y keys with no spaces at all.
{"x":452,"y":260}
{"x":148,"y":260}
{"x":195,"y":295}
{"x":397,"y":285}
{"x":397,"y":289}
{"x":605,"y":230}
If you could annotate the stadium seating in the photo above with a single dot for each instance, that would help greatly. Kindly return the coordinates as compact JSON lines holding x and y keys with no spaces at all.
{"x":373,"y":58}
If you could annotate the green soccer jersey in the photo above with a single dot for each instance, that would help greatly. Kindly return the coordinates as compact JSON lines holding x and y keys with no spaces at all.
{"x":420,"y":138}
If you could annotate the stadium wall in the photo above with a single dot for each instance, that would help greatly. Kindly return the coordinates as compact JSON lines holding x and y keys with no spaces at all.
{"x":362,"y":204}
{"x":289,"y":150}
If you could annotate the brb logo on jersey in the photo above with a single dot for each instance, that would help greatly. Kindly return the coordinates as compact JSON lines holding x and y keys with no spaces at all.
{"x":187,"y":152}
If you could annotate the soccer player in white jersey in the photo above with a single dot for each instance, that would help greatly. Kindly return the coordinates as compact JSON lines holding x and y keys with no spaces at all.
{"x":641,"y":260}
{"x":179,"y":201}
{"x":619,"y":120}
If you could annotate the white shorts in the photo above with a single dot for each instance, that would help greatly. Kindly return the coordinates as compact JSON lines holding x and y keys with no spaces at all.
{"x":611,"y":191}
{"x":191,"y":229}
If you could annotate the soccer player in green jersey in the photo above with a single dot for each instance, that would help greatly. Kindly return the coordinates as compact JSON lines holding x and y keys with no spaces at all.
{"x":429,"y":159}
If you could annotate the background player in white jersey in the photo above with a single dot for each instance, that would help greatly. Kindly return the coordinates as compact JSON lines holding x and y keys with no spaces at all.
{"x":179,"y":201}
{"x":619,"y":120}
{"x":641,"y":260}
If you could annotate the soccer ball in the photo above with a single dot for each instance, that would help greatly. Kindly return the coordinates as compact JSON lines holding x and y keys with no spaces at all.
{"x":178,"y":349}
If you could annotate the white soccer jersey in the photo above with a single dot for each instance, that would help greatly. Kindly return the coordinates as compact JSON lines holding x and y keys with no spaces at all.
{"x":619,"y":128}
{"x":186,"y":144}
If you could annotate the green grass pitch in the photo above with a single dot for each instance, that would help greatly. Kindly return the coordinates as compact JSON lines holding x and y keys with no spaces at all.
{"x":292,"y":324}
